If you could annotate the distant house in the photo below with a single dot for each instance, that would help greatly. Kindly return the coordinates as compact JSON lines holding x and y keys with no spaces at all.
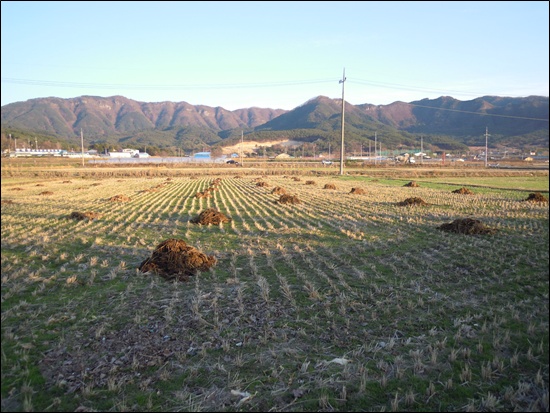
{"x":126,"y":153}
{"x":141,"y":155}
{"x":202,"y":155}
{"x":283,"y":156}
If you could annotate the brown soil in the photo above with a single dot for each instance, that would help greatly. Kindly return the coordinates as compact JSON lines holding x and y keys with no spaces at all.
{"x":210,"y":216}
{"x":80,"y":216}
{"x":119,"y":198}
{"x":357,"y":191}
{"x":536,"y":197}
{"x":412,"y":184}
{"x":289,"y":199}
{"x":278,"y":190}
{"x":329,"y":186}
{"x":463,"y":190}
{"x":412,"y":201}
{"x":467,"y":226}
{"x":174,"y":260}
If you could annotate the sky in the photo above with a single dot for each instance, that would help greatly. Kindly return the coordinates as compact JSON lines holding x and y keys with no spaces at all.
{"x":273,"y":54}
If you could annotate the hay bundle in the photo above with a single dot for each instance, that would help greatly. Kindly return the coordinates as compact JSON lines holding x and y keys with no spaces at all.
{"x":262,"y":183}
{"x":467,"y":226}
{"x":288,"y":199}
{"x":463,"y":190}
{"x":80,"y":216}
{"x":46,"y":193}
{"x":311,"y":183}
{"x":536,"y":197}
{"x":278,"y":190}
{"x":7,"y":202}
{"x":173,"y":259}
{"x":203,"y":194}
{"x":329,"y":186}
{"x":210,"y":216}
{"x":412,"y":201}
{"x":295,"y":178}
{"x":412,"y":184}
{"x":357,"y":191}
{"x":119,"y":198}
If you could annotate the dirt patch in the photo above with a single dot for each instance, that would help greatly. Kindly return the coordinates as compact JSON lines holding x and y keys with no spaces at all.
{"x":329,"y":186}
{"x":463,"y":190}
{"x":119,"y":198}
{"x":210,"y":216}
{"x":46,"y":193}
{"x":467,"y":226}
{"x":174,"y":260}
{"x":288,"y":199}
{"x":536,"y":197}
{"x":278,"y":190}
{"x":412,"y":201}
{"x":358,"y":191}
{"x":81,"y":216}
{"x":412,"y":184}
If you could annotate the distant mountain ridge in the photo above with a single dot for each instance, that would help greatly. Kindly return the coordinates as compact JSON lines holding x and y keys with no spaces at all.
{"x":119,"y":119}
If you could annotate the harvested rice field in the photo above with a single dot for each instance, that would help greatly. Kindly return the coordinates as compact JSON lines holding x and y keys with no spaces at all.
{"x":134,"y":293}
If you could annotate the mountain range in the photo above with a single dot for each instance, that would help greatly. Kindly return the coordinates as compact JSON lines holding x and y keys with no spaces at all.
{"x":443,"y":123}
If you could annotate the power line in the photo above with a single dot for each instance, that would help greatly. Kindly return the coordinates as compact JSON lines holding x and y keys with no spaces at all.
{"x":476,"y":113}
{"x":35,"y":82}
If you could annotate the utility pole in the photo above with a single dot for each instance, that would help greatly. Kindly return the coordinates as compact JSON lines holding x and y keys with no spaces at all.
{"x":375,"y":148}
{"x":421,"y":150}
{"x":369,"y":151}
{"x":242,"y":137}
{"x":82,"y":145}
{"x":486,"y":147}
{"x":343,"y":106}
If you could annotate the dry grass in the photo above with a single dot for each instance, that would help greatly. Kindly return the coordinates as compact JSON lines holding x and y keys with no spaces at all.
{"x":339,"y":303}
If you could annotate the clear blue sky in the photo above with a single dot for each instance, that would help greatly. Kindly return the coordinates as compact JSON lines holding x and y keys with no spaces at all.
{"x":265,"y":54}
